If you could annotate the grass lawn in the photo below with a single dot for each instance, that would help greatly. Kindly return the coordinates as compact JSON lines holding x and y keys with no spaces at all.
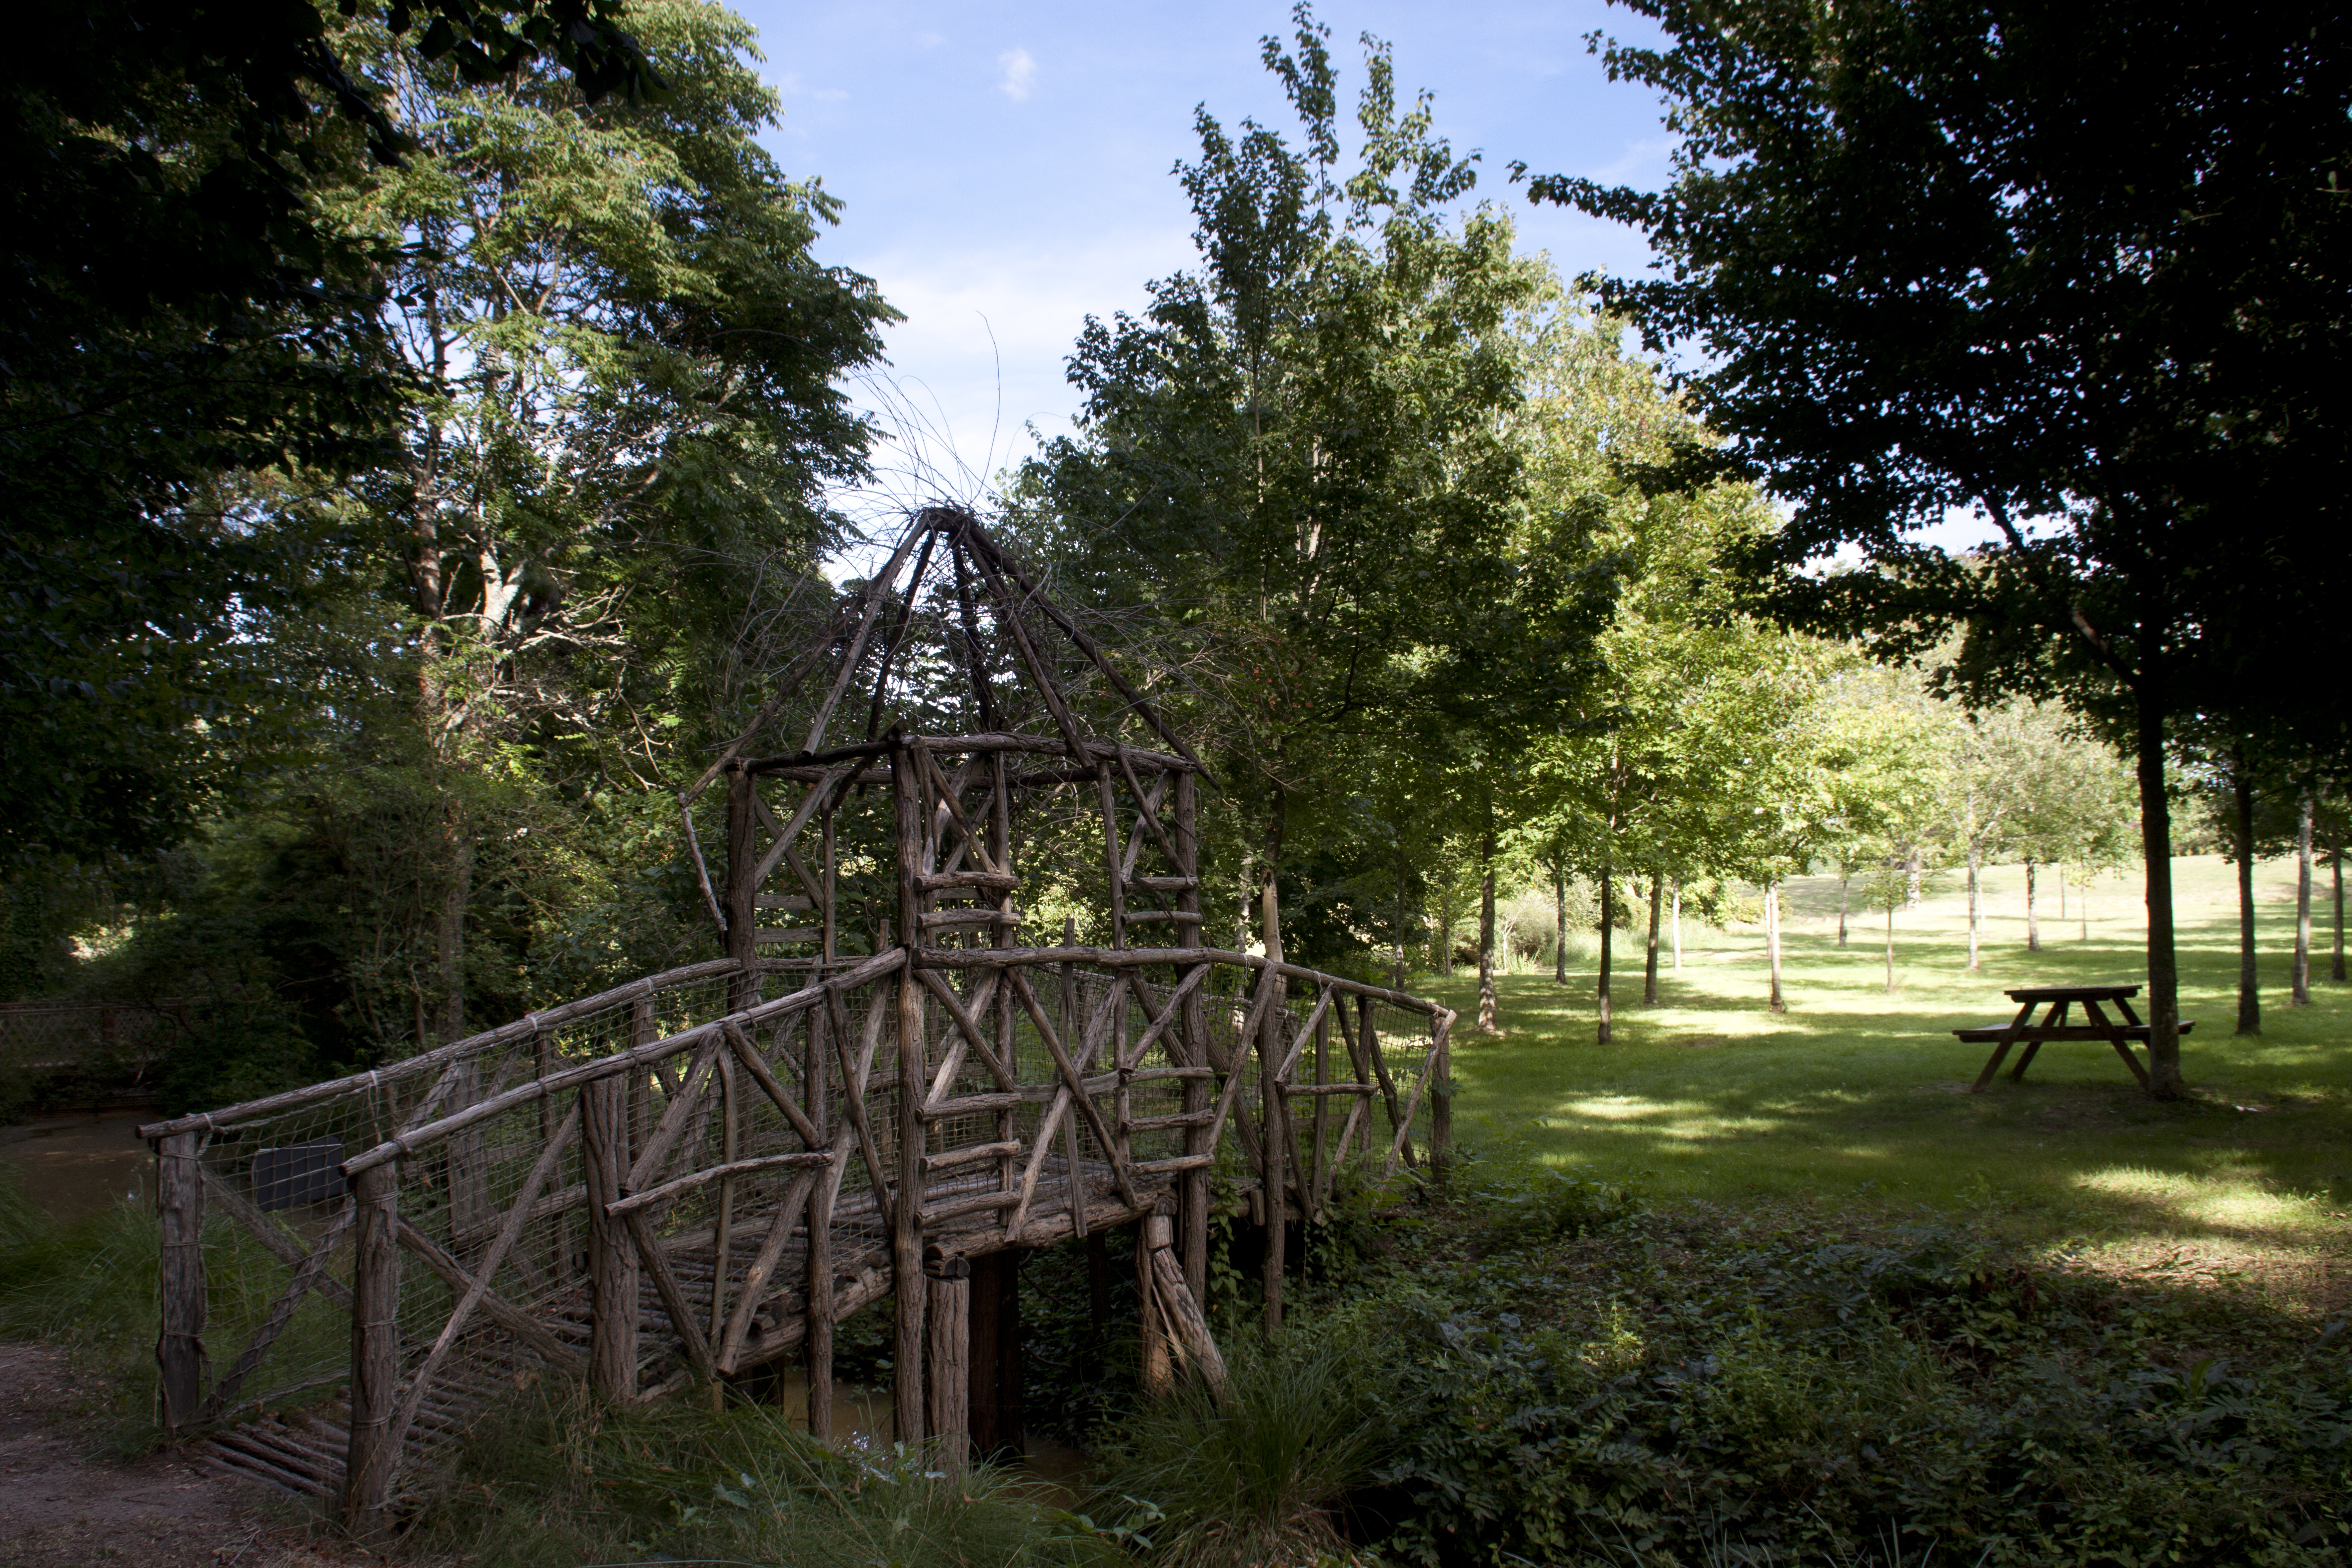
{"x":1858,"y":1097}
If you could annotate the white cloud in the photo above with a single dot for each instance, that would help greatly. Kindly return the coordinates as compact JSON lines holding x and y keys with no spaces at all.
{"x":1020,"y":71}
{"x":930,"y":40}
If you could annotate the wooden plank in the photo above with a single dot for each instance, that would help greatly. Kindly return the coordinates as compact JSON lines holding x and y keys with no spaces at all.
{"x":1183,"y":1310}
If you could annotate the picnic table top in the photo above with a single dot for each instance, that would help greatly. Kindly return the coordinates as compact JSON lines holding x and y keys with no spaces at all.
{"x":2073,"y":992}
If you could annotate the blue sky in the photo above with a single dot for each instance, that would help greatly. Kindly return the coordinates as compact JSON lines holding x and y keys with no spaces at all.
{"x":1006,"y":166}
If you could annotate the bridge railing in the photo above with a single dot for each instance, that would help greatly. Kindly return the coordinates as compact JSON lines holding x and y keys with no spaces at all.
{"x":684,"y":1180}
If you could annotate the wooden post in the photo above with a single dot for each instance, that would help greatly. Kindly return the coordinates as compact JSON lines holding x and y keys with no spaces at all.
{"x":1441,"y":1098}
{"x":1313,"y":1193}
{"x":1155,"y":1375}
{"x":816,"y":1345}
{"x":740,"y":904}
{"x":830,"y":877}
{"x":995,"y":1398}
{"x":949,"y":1377}
{"x":722,"y":1227}
{"x":1192,"y":1051}
{"x":375,"y":1351}
{"x":1274,"y":1179}
{"x":1184,"y":1321}
{"x":180,"y":1211}
{"x":907,"y":1210}
{"x":612,"y":1260}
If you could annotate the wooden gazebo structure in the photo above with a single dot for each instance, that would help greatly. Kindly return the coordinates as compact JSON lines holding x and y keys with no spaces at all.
{"x":885,"y":1079}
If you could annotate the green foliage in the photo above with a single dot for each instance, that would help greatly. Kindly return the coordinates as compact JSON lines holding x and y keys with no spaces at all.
{"x":1771,"y":1387}
{"x":553,"y":1481}
{"x":1255,"y":1477}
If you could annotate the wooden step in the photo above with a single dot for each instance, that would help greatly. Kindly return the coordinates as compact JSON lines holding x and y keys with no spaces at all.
{"x":788,"y":934}
{"x":969,"y":920}
{"x":941,"y":881}
{"x":1163,"y":884}
{"x":791,"y":901}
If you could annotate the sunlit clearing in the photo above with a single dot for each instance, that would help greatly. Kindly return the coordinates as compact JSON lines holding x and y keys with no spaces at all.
{"x":2219,"y":1201}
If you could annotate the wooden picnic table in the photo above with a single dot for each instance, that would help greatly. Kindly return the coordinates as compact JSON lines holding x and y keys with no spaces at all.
{"x":2117,"y":1032}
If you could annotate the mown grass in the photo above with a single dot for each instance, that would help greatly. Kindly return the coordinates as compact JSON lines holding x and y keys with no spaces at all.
{"x":1857,"y":1095}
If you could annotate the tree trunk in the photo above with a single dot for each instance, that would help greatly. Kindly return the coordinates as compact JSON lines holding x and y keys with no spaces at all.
{"x":1608,"y":923}
{"x":2301,"y":994}
{"x":449,"y":926}
{"x":2336,"y":866}
{"x":1772,"y":941}
{"x":1649,"y":967}
{"x":1559,"y":923}
{"x":2250,"y":995}
{"x":1488,"y":1025}
{"x":2156,"y":850}
{"x":1445,"y":930}
{"x":1396,"y":976}
{"x":2061,"y":891}
{"x":1678,"y":927}
{"x":1890,"y":947}
{"x":1917,"y":868}
{"x":1846,"y":883}
{"x":2032,"y":923}
{"x":1975,"y":905}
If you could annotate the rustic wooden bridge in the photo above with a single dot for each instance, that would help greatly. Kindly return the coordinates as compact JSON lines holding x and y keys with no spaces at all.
{"x":699,"y":1175}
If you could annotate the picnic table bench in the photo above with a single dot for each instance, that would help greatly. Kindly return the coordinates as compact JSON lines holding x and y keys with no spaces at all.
{"x":2117,"y":1032}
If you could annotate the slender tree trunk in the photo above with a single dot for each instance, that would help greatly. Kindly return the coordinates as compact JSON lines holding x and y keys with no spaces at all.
{"x":2061,"y":890}
{"x":2156,"y":849}
{"x":2301,"y":994}
{"x":1678,"y":927}
{"x":1976,"y":904}
{"x":1890,"y":947}
{"x":2250,"y":995}
{"x":1559,"y":923}
{"x":2032,"y":922}
{"x":1607,"y":925}
{"x":1396,"y":973}
{"x":1650,"y":968}
{"x":2336,"y":867}
{"x":1445,"y":929}
{"x":449,"y":932}
{"x":1917,"y":867}
{"x":1487,"y":1024}
{"x":1772,"y":941}
{"x":1846,"y":883}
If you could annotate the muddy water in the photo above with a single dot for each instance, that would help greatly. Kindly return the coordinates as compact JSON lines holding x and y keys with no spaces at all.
{"x":81,"y":1162}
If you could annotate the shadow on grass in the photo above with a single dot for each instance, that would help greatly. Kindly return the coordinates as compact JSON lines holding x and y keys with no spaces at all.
{"x":1860,"y":1093}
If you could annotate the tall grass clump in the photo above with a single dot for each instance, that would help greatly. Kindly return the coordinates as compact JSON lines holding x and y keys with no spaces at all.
{"x":554,"y":1480}
{"x":1255,"y":1478}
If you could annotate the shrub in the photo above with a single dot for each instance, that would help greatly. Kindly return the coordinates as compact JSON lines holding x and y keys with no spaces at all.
{"x":1257,"y":1478}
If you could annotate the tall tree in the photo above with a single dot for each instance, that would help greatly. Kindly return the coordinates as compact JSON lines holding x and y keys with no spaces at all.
{"x":2079,"y":269}
{"x":628,"y":359}
{"x":1297,"y":463}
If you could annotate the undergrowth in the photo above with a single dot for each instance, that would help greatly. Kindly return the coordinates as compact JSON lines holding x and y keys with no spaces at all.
{"x":555,"y":1481}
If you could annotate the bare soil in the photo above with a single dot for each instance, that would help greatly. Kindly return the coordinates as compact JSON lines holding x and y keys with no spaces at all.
{"x":63,"y":1506}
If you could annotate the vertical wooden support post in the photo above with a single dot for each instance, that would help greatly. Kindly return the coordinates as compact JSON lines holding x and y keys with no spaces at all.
{"x":612,"y":1260}
{"x":817,"y":1346}
{"x":740,"y":905}
{"x":907,"y":1207}
{"x":1311,"y":1194}
{"x":1111,"y":859}
{"x":995,"y":1400}
{"x":1274,"y":1175}
{"x":375,"y":1351}
{"x":472,"y":1216}
{"x":1192,"y":1035}
{"x":722,"y":1227}
{"x":180,"y":1216}
{"x":1008,"y":1122}
{"x":1441,"y":1098}
{"x":828,"y":885}
{"x":642,"y":1031}
{"x":947,"y":1380}
{"x":1157,"y":1374}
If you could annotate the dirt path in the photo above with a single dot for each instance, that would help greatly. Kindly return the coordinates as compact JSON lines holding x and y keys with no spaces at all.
{"x":60,"y":1507}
